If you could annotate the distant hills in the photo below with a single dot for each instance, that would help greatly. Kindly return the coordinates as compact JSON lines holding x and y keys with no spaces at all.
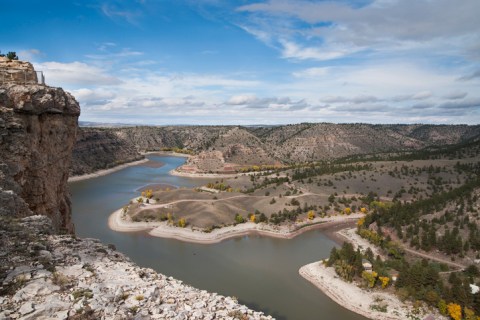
{"x":107,"y":145}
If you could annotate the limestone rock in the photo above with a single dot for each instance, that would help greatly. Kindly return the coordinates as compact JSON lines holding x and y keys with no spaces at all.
{"x":16,"y":71}
{"x":100,"y":284}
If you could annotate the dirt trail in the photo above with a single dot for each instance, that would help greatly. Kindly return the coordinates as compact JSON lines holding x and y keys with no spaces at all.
{"x":431,"y":257}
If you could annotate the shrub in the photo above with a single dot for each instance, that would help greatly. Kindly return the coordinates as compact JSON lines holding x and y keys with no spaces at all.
{"x":239,"y":218}
{"x":182,"y":222}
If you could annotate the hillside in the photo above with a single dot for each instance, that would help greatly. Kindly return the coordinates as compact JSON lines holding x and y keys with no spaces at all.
{"x":99,"y":148}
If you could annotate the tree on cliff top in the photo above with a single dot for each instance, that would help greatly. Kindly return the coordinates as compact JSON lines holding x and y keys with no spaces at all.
{"x":11,"y":55}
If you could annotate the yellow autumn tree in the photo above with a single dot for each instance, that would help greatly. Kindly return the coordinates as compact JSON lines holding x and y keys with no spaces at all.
{"x":347,"y":211}
{"x":182,"y":223}
{"x":455,"y":311}
{"x":385,"y":281}
{"x":148,"y":193}
{"x":252,"y":218}
{"x":370,"y":278}
{"x":311,"y":215}
{"x":363,"y":210}
{"x":360,"y":222}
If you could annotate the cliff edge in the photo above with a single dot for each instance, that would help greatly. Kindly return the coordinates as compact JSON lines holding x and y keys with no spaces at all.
{"x":38,"y":127}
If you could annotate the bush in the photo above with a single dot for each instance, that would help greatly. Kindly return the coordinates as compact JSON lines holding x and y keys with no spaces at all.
{"x":239,"y":218}
{"x":182,"y":222}
{"x":11,"y":55}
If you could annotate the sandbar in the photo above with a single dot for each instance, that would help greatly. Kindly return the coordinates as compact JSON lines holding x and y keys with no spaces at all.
{"x":163,"y":230}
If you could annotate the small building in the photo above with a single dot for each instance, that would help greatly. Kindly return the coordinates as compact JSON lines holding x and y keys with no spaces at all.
{"x":474,"y":289}
{"x":367,"y":265}
{"x":393,"y":274}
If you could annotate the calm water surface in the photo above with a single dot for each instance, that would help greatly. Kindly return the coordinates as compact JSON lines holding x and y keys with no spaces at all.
{"x":261,"y":272}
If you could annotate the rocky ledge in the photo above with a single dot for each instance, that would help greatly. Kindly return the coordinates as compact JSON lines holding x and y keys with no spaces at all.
{"x":46,"y":276}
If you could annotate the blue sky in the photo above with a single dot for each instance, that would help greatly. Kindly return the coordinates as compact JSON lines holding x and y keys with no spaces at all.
{"x":255,"y":62}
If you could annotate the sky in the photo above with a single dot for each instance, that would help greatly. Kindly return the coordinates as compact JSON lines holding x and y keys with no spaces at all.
{"x":163,"y":62}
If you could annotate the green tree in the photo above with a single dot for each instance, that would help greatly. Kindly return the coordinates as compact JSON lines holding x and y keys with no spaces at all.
{"x":12,"y":55}
{"x":239,"y":218}
{"x":442,"y":307}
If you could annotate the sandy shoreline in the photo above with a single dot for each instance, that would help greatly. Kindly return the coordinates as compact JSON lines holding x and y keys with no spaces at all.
{"x":175,"y":172}
{"x":353,"y":298}
{"x":104,"y":172}
{"x":162,"y":230}
{"x":168,"y":154}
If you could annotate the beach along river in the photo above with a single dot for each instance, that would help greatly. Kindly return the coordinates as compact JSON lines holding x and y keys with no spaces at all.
{"x":261,"y":272}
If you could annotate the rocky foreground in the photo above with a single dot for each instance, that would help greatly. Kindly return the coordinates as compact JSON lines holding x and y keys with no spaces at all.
{"x":46,"y":276}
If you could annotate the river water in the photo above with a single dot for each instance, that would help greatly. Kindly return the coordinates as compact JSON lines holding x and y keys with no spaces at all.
{"x":261,"y":272}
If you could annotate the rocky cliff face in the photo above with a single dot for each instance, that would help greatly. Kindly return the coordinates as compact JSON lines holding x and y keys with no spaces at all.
{"x":38,"y":126}
{"x":97,"y":149}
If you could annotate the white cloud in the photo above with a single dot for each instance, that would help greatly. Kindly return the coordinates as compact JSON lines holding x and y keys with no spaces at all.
{"x":75,"y":74}
{"x":382,"y":26}
{"x":30,"y":54}
{"x":473,"y":103}
{"x":366,"y":92}
{"x":241,"y":99}
{"x":92,"y":95}
{"x":455,"y":95}
{"x":422,"y":95}
{"x":311,"y":72}
{"x":112,"y":11}
{"x":268,"y":103}
{"x":356,"y":99}
{"x":292,"y":50}
{"x":124,"y":53}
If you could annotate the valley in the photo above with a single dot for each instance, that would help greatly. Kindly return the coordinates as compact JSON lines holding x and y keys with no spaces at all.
{"x":234,"y":148}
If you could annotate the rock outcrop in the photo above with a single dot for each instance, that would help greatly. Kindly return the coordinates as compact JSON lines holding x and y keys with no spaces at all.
{"x":97,"y":149}
{"x":38,"y":126}
{"x":18,"y":72}
{"x":61,"y":277}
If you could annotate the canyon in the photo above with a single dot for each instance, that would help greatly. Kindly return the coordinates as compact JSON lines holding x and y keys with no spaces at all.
{"x":217,"y":148}
{"x":46,"y":271}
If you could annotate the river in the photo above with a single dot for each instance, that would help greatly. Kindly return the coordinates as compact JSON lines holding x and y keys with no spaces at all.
{"x":261,"y":272}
